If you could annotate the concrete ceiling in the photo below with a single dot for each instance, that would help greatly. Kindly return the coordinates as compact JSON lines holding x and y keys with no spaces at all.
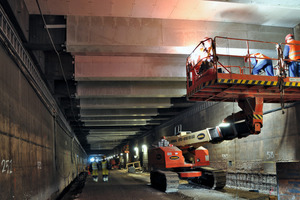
{"x":262,"y":12}
{"x":129,"y":56}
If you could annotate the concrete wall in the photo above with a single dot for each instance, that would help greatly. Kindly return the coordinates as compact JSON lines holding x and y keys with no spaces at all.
{"x":39,"y":157}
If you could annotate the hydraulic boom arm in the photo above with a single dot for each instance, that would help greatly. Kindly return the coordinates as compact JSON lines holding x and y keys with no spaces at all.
{"x":210,"y":135}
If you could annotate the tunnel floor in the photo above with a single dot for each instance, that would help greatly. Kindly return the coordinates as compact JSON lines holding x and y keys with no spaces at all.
{"x":128,"y":186}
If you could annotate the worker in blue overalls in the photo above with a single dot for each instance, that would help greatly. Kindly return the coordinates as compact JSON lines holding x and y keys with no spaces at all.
{"x":292,"y":51}
{"x":260,"y":62}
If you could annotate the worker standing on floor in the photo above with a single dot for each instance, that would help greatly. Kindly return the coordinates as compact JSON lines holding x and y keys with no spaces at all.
{"x":95,"y":167}
{"x":292,"y":51}
{"x":104,"y":166}
{"x":260,"y":62}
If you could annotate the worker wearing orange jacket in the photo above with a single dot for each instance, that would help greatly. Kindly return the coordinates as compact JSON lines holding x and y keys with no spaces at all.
{"x":292,"y":51}
{"x":260,"y":62}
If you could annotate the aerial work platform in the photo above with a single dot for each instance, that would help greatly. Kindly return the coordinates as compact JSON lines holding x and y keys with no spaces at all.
{"x":213,"y":75}
{"x":229,"y":83}
{"x":229,"y":87}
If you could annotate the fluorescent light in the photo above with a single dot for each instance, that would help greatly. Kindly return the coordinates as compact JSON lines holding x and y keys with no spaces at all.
{"x":144,"y":147}
{"x":224,"y":124}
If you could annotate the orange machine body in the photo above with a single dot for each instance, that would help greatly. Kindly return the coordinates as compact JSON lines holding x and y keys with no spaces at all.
{"x":171,"y":157}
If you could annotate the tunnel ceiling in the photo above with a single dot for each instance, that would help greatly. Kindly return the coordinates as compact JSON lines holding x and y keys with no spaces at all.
{"x":120,"y":73}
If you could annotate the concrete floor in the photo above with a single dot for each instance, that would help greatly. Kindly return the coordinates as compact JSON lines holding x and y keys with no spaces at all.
{"x":125,"y":186}
{"x":122,"y":186}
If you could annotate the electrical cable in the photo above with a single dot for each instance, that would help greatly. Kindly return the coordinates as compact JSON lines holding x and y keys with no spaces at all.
{"x":64,"y":77}
{"x":60,"y":63}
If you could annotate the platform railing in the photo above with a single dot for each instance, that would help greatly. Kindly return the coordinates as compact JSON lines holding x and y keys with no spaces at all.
{"x":222,"y":49}
{"x":244,"y":51}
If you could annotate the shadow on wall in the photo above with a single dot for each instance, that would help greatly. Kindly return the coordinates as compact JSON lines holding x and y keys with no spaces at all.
{"x":281,"y":143}
{"x":291,"y":130}
{"x":244,"y":15}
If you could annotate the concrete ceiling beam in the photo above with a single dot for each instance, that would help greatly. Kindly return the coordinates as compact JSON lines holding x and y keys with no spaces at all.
{"x":112,"y":134}
{"x":106,"y":137}
{"x":134,"y":68}
{"x":117,"y":103}
{"x":103,"y":146}
{"x":94,"y":35}
{"x":121,"y":118}
{"x":97,"y":145}
{"x":121,"y":123}
{"x":130,"y":89}
{"x":118,"y":112}
{"x":126,"y":130}
{"x":243,"y":11}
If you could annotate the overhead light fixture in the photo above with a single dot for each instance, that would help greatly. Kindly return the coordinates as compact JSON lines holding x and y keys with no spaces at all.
{"x":144,"y":147}
{"x":51,"y":26}
{"x":136,"y":151}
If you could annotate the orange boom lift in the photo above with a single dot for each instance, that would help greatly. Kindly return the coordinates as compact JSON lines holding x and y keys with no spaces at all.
{"x":210,"y":79}
{"x":228,"y":83}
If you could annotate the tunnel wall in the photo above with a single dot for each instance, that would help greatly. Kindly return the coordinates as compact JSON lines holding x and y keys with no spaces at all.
{"x":39,"y":155}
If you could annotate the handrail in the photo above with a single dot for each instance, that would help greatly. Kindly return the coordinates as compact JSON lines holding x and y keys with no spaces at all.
{"x":247,"y":47}
{"x":193,"y":68}
{"x":229,"y":38}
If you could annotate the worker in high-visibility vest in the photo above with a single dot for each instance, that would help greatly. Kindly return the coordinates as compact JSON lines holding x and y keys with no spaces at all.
{"x":95,"y":168}
{"x":104,"y":166}
{"x":260,"y":62}
{"x":292,"y":51}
